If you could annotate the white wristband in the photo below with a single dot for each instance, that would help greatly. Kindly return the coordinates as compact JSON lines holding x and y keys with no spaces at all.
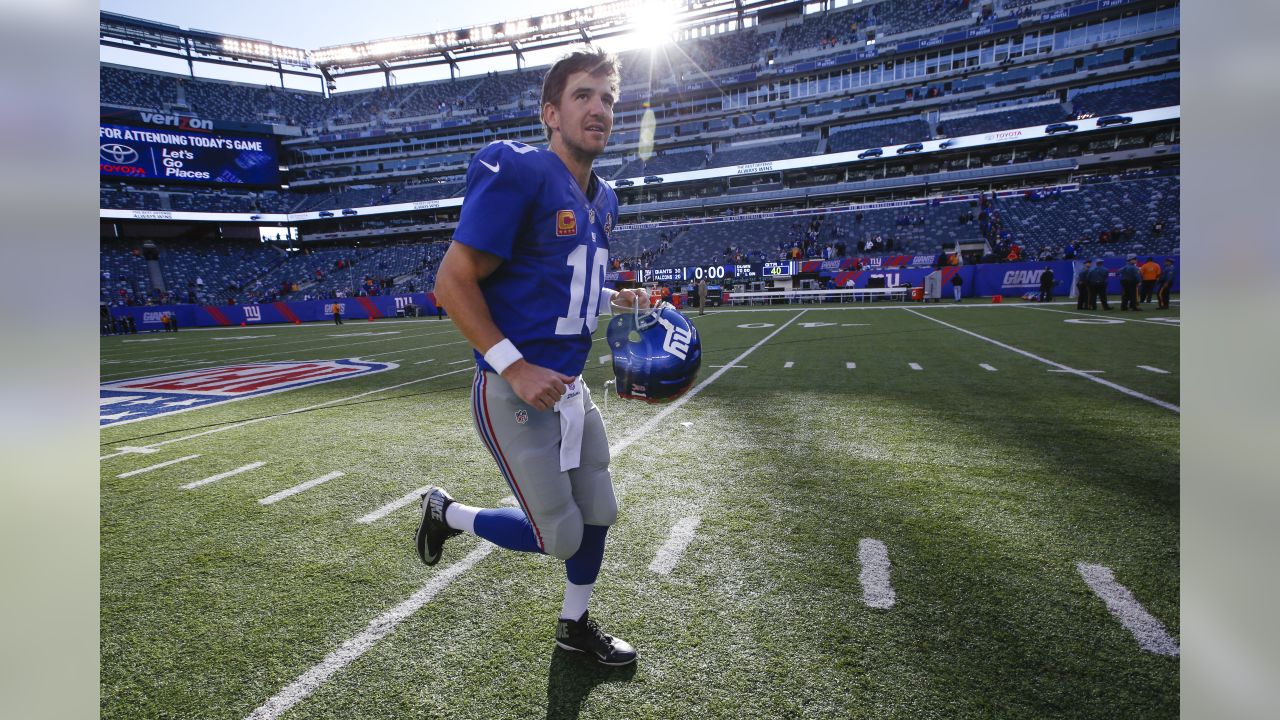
{"x":606,"y":297}
{"x":501,"y":356}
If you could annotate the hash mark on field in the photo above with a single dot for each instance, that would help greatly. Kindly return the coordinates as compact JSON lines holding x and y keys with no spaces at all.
{"x":789,"y":364}
{"x":670,"y":552}
{"x":1061,"y":368}
{"x":414,"y":497}
{"x":425,"y":361}
{"x":299,"y":488}
{"x":1076,"y":372}
{"x":914,"y":366}
{"x":604,"y":359}
{"x":1147,"y":630}
{"x":1156,"y":370}
{"x":877,"y":591}
{"x":459,"y":362}
{"x":157,"y":466}
{"x":377,"y":629}
{"x":850,"y":365}
{"x":385,"y":510}
{"x":986,"y":367}
{"x":222,"y":476}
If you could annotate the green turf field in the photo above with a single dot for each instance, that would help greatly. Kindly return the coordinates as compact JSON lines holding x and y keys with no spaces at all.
{"x":987,"y":486}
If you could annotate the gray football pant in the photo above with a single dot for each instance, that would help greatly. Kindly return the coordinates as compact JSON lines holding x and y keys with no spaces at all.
{"x":526,"y":445}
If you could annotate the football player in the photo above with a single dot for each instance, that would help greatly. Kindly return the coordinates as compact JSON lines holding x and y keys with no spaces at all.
{"x":524,"y":282}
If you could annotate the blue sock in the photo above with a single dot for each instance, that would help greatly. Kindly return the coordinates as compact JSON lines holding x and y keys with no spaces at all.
{"x":508,"y":528}
{"x":584,"y":565}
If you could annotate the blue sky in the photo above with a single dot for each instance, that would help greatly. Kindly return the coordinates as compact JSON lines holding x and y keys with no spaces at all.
{"x":311,"y":25}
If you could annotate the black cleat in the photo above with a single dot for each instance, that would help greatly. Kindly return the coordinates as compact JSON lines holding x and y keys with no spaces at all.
{"x":432,"y":529}
{"x":584,"y":635}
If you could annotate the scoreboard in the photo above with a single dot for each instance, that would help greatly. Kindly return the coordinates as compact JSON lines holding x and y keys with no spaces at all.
{"x":713,"y":273}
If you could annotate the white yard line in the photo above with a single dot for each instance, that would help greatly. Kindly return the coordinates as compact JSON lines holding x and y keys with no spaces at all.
{"x":157,"y":466}
{"x":1147,"y":630}
{"x":670,"y":552}
{"x":299,"y":488}
{"x":877,"y":590}
{"x":223,"y":476}
{"x":232,"y":426}
{"x":656,"y":420}
{"x":914,"y":366}
{"x":1060,"y":366}
{"x":377,"y":629}
{"x":1155,"y":370}
{"x":986,"y":367}
{"x":385,"y":510}
{"x":1095,"y":314}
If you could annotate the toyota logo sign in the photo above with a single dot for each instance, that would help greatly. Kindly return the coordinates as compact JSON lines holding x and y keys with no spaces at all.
{"x":120,"y":154}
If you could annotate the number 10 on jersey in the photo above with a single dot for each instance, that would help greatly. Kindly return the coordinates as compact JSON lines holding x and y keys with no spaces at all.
{"x":587,"y":279}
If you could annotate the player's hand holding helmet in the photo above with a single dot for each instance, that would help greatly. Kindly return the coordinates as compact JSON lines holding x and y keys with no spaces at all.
{"x":656,"y":353}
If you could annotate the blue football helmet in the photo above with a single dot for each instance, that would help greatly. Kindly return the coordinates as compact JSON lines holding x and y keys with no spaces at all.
{"x":656,"y":353}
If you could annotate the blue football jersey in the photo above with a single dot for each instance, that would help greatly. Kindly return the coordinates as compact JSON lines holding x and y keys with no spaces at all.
{"x":523,"y":205}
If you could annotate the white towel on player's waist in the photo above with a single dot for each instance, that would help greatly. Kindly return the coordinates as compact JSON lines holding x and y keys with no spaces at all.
{"x":572,"y":411}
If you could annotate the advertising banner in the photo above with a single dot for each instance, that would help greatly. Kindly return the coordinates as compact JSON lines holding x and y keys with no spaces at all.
{"x":186,"y":156}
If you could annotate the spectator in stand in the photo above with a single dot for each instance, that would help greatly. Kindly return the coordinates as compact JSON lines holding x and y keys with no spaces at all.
{"x":1069,"y":252}
{"x":1150,"y":274}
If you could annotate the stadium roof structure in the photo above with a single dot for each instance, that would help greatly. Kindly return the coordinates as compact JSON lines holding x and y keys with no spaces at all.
{"x":138,"y":35}
{"x":511,"y":37}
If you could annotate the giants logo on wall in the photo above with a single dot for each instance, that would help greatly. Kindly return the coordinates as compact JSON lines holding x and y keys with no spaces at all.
{"x":126,"y":401}
{"x":252,"y":313}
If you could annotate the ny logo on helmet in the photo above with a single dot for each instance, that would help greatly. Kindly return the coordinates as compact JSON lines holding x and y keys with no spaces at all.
{"x":676,"y":341}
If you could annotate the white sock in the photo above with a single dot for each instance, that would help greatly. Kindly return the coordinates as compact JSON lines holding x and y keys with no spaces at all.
{"x":461,"y":517}
{"x":576,"y":598}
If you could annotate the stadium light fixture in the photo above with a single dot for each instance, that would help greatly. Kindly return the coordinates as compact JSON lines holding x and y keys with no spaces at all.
{"x":654,"y":24}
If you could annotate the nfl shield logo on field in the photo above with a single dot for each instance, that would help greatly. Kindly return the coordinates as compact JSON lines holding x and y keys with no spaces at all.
{"x":126,"y":401}
{"x":522,"y":417}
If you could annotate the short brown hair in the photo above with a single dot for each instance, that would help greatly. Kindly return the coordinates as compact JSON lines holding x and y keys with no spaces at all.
{"x":597,"y":61}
